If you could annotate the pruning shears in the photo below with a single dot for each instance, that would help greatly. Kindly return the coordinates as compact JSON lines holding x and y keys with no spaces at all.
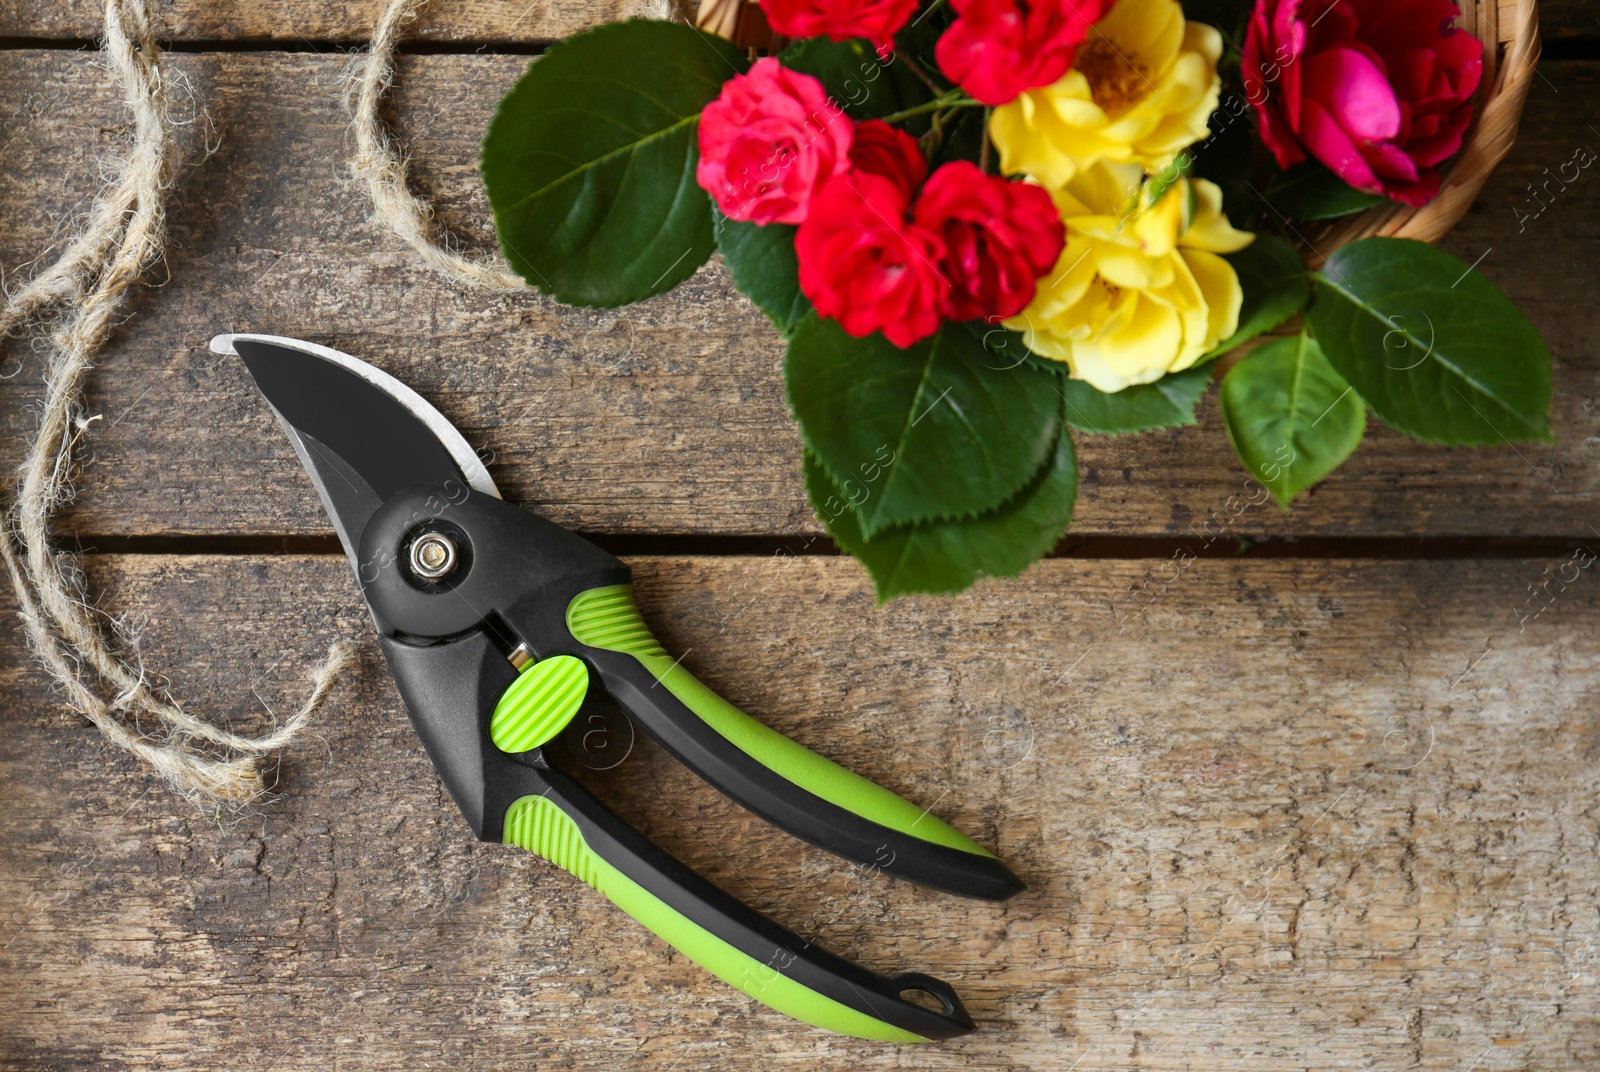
{"x":500,"y":627}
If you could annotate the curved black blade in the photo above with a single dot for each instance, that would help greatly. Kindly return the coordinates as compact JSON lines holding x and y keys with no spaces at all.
{"x":361,"y":435}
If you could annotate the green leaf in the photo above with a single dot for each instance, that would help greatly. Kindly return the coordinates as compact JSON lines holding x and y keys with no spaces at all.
{"x":858,"y":81}
{"x":762,"y":261}
{"x":1275,"y":284}
{"x":1312,"y":192}
{"x":947,"y":556}
{"x":1291,"y":417}
{"x":955,"y":435}
{"x":1144,"y":407}
{"x":589,"y":162}
{"x":1006,"y":348}
{"x":1437,"y":350}
{"x":1167,"y":403}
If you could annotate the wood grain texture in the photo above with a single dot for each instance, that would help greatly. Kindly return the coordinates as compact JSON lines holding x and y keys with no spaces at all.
{"x":1273,"y":816}
{"x":667,"y":416}
{"x":465,"y":21}
{"x":292,"y":22}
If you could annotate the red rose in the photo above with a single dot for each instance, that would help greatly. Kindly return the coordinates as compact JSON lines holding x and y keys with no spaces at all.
{"x":1378,"y":90}
{"x":996,"y":49}
{"x":768,"y":141}
{"x":876,"y":20}
{"x":863,"y":263}
{"x":999,"y":238}
{"x":880,"y":149}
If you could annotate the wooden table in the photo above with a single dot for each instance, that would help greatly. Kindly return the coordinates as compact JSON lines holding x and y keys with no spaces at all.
{"x":1323,"y":798}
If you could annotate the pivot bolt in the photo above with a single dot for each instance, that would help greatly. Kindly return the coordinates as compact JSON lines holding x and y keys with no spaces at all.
{"x":433,"y":555}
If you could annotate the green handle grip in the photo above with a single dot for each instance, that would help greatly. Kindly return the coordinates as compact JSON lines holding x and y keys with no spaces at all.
{"x":784,"y":782}
{"x":744,"y":949}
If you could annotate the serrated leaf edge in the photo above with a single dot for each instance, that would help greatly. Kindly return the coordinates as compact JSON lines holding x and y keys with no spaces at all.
{"x":1188,"y":419}
{"x":833,"y":474}
{"x":884,"y":588}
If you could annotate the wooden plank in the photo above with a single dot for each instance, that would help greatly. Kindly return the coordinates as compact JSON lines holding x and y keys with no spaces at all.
{"x":470,"y":21}
{"x":297,"y":21}
{"x":1273,"y":815}
{"x":663,"y":417}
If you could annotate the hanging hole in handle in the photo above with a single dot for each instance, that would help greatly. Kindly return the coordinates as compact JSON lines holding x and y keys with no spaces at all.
{"x":926,"y":999}
{"x":926,"y":992}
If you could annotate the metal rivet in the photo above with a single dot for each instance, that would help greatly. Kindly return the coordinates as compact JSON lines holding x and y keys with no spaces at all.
{"x":433,"y":555}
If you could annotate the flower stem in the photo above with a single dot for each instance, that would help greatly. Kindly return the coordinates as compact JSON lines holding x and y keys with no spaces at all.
{"x":916,"y":68}
{"x":953,"y":99}
{"x":929,"y":142}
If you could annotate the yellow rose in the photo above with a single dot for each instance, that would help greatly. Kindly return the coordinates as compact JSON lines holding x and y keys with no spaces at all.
{"x":1134,"y":297}
{"x":1139,"y":92}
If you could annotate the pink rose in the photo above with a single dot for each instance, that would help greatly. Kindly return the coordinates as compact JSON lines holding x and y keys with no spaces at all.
{"x":1378,"y":90}
{"x":768,"y":143}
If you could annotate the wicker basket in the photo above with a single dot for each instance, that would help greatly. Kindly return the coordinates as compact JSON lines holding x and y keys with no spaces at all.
{"x":1509,"y":30}
{"x":740,"y":21}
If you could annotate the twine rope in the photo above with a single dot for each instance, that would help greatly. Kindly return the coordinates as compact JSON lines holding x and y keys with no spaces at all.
{"x":95,"y":660}
{"x":380,"y":164}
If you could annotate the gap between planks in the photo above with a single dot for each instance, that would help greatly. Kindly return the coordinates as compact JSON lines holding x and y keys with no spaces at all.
{"x":1112,"y":548}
